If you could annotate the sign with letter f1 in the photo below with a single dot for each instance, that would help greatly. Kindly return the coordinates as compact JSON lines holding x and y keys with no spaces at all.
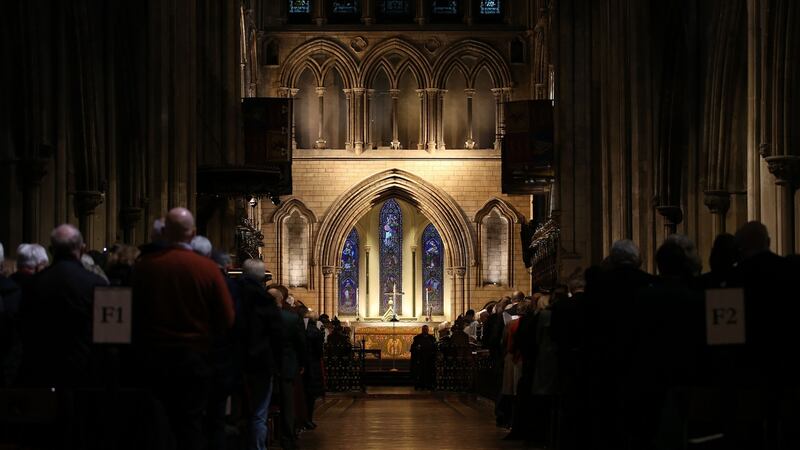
{"x":112,"y":315}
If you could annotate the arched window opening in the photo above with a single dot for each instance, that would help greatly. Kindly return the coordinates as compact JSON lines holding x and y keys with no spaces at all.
{"x":455,"y":110}
{"x":306,"y":110}
{"x":381,"y":110}
{"x":445,"y":11}
{"x":344,"y":11}
{"x":335,"y":111}
{"x":494,"y":248}
{"x":348,"y":277}
{"x":394,"y":11}
{"x":484,"y":110}
{"x":432,"y":271}
{"x":390,"y":233}
{"x":299,"y":11}
{"x":270,"y":56}
{"x":408,"y":112}
{"x":296,"y":249}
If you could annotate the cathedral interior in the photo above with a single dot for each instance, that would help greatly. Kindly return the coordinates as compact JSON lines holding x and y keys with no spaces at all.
{"x":386,"y":183}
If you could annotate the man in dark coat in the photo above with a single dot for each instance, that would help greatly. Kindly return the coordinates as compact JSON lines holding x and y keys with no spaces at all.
{"x":293,"y":358}
{"x":57,"y":317}
{"x":423,"y":359}
{"x":262,"y":330}
{"x":313,"y":382}
{"x":10,"y":295}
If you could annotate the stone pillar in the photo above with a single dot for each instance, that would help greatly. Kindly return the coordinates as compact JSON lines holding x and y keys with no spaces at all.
{"x":466,"y":7}
{"x":358,"y":120}
{"x":786,"y":169}
{"x":129,"y":217}
{"x":320,"y":143}
{"x":328,"y":290}
{"x":395,"y":93}
{"x":368,"y":144}
{"x":459,"y":288}
{"x":430,"y":117}
{"x":470,"y":142}
{"x":367,"y":14}
{"x":440,"y":119}
{"x":421,"y":10}
{"x":501,"y":95}
{"x":348,"y":99}
{"x":320,"y":15}
{"x":85,"y":204}
{"x":422,"y":136}
{"x":30,"y":173}
{"x":718,"y":202}
{"x":673,"y":216}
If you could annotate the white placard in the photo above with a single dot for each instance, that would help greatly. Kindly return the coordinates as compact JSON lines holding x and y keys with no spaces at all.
{"x":112,"y":315}
{"x":725,"y":316}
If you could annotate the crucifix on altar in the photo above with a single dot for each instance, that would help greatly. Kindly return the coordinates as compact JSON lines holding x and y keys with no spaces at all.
{"x":389,"y":314}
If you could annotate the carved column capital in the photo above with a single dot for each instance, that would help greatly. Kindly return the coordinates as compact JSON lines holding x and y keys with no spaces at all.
{"x":320,"y":90}
{"x":469,"y":93}
{"x":328,"y":271}
{"x":394,"y":93}
{"x":672,"y":214}
{"x":87,"y":201}
{"x":358,"y":90}
{"x":293,"y":91}
{"x":718,"y":202}
{"x":497,"y":92}
{"x":786,"y":168}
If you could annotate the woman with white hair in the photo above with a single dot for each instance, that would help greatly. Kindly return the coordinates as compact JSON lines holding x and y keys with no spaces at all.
{"x":31,"y":259}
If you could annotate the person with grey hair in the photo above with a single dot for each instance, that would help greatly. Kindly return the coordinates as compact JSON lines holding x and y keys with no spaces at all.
{"x":693,"y":263}
{"x":202,"y":246}
{"x":158,"y":241}
{"x":10,"y":297}
{"x":56,"y":317}
{"x":625,"y":252}
{"x":31,"y":258}
{"x":262,"y":332}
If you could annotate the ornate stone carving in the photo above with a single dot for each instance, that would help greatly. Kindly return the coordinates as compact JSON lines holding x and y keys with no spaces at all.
{"x":673,"y":215}
{"x":359,"y":44}
{"x":433,"y":44}
{"x":718,"y":202}
{"x":786,"y":169}
{"x":248,"y":240}
{"x":328,"y":271}
{"x":87,"y":201}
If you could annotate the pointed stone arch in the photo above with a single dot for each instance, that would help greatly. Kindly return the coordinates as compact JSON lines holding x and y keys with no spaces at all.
{"x":302,"y":57}
{"x":287,"y":209}
{"x":416,"y":60}
{"x":486,"y":54}
{"x":512,"y":218}
{"x":436,"y":204}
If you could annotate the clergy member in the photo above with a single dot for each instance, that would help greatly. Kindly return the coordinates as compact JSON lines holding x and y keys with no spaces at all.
{"x":423,"y":358}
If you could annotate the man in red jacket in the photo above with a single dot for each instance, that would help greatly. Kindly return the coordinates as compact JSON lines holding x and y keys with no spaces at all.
{"x":181,"y":303}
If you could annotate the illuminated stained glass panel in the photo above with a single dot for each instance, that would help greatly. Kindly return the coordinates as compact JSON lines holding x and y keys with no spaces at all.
{"x":444,"y":7}
{"x":299,"y":6}
{"x":345,"y":6}
{"x":390,"y":232}
{"x":395,"y":7}
{"x":348,"y":278}
{"x":432,"y":271}
{"x":490,"y":7}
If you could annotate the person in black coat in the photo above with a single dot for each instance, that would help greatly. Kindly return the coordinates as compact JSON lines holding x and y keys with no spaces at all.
{"x":56,"y":317}
{"x":262,"y":346}
{"x":10,"y":295}
{"x":313,"y":383}
{"x":423,"y":359}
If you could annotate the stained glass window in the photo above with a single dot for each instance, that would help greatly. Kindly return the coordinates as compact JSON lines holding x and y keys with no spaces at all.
{"x":444,"y":7}
{"x":299,"y":6}
{"x":391,"y":253}
{"x":348,"y":278}
{"x":490,"y":7}
{"x":394,"y":7}
{"x":432,"y":271}
{"x":345,"y":7}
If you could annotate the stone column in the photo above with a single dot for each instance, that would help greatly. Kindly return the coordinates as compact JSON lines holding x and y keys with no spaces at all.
{"x":320,"y":15}
{"x":367,"y":119}
{"x":413,"y":295}
{"x":458,"y":287}
{"x":348,"y":99}
{"x":718,"y":202}
{"x":395,"y":93}
{"x":422,"y":136}
{"x":30,"y":173}
{"x":786,"y":169}
{"x":364,"y":300}
{"x":320,"y":143}
{"x":421,"y":10}
{"x":292,"y":94}
{"x":430,"y":118}
{"x":440,"y":118}
{"x":673,"y":216}
{"x":85,"y":204}
{"x":358,"y":120}
{"x":367,"y":14}
{"x":466,"y":7}
{"x":328,"y":290}
{"x":470,"y":142}
{"x":129,"y":217}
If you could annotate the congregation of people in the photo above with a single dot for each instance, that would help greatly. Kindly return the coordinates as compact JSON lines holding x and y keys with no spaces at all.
{"x":221,"y":357}
{"x":618,"y":358}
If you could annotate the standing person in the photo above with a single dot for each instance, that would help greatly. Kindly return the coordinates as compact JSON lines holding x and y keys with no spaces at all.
{"x":262,"y":338}
{"x":57,"y":317}
{"x":293,"y":354}
{"x":180,"y":304}
{"x":9,"y":304}
{"x":313,"y":382}
{"x":423,"y":359}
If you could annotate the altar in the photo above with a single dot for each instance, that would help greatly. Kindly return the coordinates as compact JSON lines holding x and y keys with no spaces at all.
{"x":393,"y":339}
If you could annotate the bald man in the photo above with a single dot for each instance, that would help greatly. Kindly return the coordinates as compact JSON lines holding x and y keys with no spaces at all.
{"x":181,"y":304}
{"x":56,"y":316}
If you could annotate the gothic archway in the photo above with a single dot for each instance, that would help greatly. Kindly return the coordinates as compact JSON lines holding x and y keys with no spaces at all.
{"x":433,"y":202}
